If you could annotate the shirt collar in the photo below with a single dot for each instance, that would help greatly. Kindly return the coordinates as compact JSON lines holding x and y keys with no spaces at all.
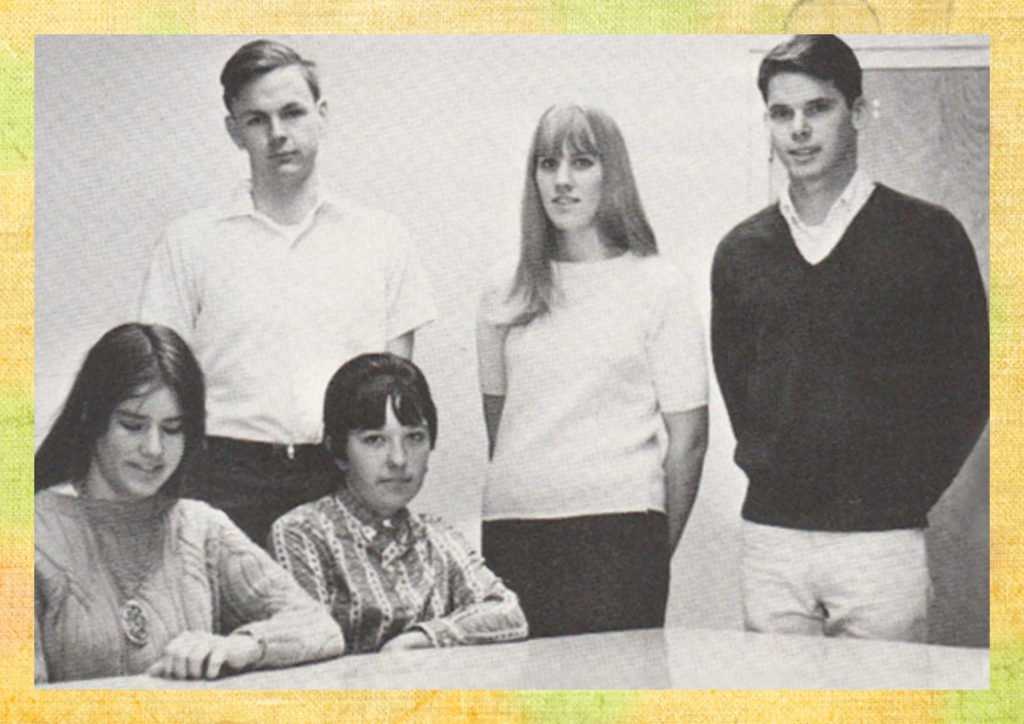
{"x":240,"y":202}
{"x":853,"y":196}
{"x":374,"y":526}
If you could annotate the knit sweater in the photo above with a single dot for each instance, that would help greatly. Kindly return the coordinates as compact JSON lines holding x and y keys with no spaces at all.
{"x":384,"y":576}
{"x":856,"y":387}
{"x":206,"y":576}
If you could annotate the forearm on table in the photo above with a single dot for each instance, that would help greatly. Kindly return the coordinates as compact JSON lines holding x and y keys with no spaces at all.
{"x":295,"y":636}
{"x":272,"y":605}
{"x":495,"y":619}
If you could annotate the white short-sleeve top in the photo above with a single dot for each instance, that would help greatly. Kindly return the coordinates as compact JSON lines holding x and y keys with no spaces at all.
{"x":585,"y":387}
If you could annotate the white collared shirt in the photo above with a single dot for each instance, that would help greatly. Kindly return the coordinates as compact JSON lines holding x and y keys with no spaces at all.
{"x":272,"y":311}
{"x":815,"y":242}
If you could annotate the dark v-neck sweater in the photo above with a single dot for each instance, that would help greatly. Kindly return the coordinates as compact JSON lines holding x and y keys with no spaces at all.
{"x":856,"y":387}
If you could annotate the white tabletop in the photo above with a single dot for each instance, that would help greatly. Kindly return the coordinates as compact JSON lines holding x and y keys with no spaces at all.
{"x":649,"y":659}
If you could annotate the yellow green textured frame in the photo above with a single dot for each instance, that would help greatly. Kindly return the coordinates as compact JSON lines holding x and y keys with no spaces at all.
{"x":20,"y":20}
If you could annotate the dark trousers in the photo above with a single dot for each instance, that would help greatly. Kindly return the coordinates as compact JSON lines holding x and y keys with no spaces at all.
{"x":591,"y":573}
{"x":256,"y":483}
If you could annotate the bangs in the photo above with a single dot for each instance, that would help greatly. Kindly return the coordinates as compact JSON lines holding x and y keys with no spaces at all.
{"x":369,"y":405}
{"x":566,"y":126}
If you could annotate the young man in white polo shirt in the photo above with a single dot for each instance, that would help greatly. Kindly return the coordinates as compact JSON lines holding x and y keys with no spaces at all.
{"x":274,"y":288}
{"x":850,"y":339}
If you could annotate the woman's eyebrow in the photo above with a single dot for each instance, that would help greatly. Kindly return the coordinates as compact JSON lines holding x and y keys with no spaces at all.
{"x":128,"y":413}
{"x":138,"y":416}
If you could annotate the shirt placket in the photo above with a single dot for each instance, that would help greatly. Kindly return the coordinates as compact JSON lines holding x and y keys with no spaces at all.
{"x":289,"y":326}
{"x":304,"y":427}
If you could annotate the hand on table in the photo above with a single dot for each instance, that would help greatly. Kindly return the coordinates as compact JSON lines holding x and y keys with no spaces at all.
{"x":408,"y":640}
{"x":198,"y":654}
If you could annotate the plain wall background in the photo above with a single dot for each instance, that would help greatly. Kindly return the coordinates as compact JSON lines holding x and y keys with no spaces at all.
{"x":130,"y":135}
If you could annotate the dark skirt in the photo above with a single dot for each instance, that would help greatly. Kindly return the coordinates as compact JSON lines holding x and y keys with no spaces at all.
{"x":584,"y":574}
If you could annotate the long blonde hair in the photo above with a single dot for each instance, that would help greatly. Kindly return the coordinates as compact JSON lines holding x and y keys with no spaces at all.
{"x":621,"y":221}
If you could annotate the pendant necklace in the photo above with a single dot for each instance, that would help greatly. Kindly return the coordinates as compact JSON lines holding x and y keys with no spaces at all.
{"x":131,"y":553}
{"x":130,"y":572}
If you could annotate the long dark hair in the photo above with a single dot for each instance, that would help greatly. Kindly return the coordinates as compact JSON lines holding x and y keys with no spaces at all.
{"x":621,"y":221}
{"x":128,"y":361}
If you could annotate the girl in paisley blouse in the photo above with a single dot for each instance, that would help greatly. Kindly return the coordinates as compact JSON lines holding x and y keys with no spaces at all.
{"x":393,"y":579}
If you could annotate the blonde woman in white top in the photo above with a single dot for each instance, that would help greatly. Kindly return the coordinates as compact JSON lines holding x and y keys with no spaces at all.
{"x":594,"y":385}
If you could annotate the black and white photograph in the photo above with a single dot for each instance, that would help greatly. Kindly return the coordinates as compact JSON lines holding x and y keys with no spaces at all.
{"x":512,"y":362}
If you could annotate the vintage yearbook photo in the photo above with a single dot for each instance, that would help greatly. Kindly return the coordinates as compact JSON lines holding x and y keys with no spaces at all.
{"x":512,"y":362}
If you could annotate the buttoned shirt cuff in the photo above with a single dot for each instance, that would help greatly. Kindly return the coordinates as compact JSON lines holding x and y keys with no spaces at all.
{"x":441,"y":633}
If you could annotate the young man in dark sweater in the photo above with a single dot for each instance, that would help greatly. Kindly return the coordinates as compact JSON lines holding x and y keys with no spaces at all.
{"x":850,"y":338}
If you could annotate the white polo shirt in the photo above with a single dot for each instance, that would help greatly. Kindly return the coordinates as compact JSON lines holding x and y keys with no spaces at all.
{"x":271,"y":311}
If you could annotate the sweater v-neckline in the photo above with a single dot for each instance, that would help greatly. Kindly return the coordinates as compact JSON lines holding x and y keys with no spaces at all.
{"x":843,"y":239}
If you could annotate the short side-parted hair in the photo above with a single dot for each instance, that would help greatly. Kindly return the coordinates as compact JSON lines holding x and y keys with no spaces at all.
{"x":621,"y":221}
{"x":256,"y":59}
{"x":824,"y":57}
{"x":360,"y":391}
{"x":128,"y":361}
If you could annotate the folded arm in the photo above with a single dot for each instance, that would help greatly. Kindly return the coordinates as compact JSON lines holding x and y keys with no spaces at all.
{"x":260,"y":599}
{"x":481,"y":609}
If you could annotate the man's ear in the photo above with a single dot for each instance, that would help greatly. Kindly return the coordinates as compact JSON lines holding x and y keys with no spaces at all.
{"x":323,"y":116}
{"x":859,"y":113}
{"x":232,"y":127}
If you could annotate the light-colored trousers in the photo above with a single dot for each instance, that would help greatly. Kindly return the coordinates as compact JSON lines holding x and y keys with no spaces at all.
{"x":872,"y":585}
